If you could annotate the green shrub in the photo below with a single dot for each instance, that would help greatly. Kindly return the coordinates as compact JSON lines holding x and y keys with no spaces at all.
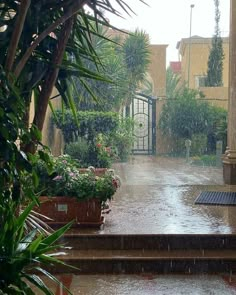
{"x":96,"y":154}
{"x":204,"y":160}
{"x":79,"y":150}
{"x":88,"y":126}
{"x":122,"y":140}
{"x":199,"y":144}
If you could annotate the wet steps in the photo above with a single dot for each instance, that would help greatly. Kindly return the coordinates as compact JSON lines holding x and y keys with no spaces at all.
{"x":149,"y":241}
{"x":121,"y":254}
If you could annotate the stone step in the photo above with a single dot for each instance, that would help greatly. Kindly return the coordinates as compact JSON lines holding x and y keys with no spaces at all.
{"x":149,"y":241}
{"x":148,"y":261}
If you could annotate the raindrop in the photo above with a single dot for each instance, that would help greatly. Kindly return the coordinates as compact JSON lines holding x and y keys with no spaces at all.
{"x":230,"y":276}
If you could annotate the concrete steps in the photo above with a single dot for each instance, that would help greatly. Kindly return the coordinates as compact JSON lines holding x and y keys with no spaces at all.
{"x":164,"y":254}
{"x":149,"y":241}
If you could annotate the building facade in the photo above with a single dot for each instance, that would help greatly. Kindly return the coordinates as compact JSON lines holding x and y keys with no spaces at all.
{"x":193,"y":54}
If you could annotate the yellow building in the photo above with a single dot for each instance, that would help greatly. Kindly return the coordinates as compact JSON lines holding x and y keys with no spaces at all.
{"x":193,"y":54}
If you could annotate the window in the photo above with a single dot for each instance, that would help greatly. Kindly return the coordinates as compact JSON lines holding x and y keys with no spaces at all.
{"x":200,"y":81}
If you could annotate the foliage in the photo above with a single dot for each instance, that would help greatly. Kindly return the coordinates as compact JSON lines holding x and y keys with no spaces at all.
{"x":20,"y":251}
{"x":173,"y":84}
{"x":188,"y":116}
{"x":198,"y":144}
{"x":91,"y":154}
{"x":43,"y":52}
{"x":36,"y":54}
{"x":137,"y":59}
{"x":22,"y":254}
{"x":184,"y":116}
{"x":204,"y":160}
{"x":109,"y":96}
{"x":67,"y":180}
{"x":79,"y":150}
{"x":217,"y":128}
{"x":124,"y":62}
{"x":13,"y":162}
{"x":122,"y":139}
{"x":215,"y":60}
{"x":104,"y":150}
{"x":90,"y":124}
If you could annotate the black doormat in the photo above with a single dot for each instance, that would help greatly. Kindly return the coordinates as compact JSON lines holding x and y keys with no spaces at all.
{"x":216,"y":198}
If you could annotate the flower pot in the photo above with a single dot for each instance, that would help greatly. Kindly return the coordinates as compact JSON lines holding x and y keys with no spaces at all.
{"x":65,"y":209}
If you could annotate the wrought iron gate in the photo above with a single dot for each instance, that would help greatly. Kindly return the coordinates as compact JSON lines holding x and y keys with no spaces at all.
{"x":143,"y":111}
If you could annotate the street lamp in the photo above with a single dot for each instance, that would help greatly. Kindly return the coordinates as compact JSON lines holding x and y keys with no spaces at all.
{"x":189,"y":44}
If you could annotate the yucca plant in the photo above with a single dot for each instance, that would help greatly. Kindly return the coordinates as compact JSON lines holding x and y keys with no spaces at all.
{"x":23,"y":254}
{"x":45,"y":52}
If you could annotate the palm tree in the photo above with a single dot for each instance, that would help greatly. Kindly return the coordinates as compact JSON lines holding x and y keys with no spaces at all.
{"x":137,"y":59}
{"x":123,"y":62}
{"x":38,"y":40}
{"x":174,"y":86}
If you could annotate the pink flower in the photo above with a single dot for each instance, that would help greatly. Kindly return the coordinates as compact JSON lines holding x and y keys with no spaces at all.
{"x":58,"y":177}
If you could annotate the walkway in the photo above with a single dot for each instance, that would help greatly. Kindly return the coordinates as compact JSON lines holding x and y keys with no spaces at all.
{"x":157,"y":197}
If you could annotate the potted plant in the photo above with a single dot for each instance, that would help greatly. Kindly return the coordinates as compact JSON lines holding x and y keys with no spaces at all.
{"x":69,"y":194}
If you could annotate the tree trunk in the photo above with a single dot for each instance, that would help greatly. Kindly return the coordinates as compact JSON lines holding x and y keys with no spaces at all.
{"x":49,"y":81}
{"x":71,"y":12}
{"x":19,"y":24}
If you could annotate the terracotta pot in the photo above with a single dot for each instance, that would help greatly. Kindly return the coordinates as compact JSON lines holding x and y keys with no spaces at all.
{"x":64,"y":209}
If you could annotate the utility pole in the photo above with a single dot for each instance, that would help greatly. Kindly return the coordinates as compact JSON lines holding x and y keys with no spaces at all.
{"x":190,"y":41}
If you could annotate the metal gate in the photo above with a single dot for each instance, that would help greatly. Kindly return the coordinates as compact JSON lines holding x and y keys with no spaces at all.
{"x":143,"y":111}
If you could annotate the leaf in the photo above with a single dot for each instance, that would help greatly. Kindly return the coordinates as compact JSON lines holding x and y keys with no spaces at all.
{"x":56,"y":235}
{"x":26,"y":241}
{"x":22,"y":217}
{"x":38,"y":282}
{"x":53,"y":278}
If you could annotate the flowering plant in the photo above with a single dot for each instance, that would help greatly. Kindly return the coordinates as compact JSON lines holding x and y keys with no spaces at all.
{"x":67,"y":180}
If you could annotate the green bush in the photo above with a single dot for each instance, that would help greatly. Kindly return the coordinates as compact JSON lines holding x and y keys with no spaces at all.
{"x":88,"y":124}
{"x":188,"y":117}
{"x":199,"y":144}
{"x":122,"y":140}
{"x":79,"y":150}
{"x":204,"y":160}
{"x":96,"y":154}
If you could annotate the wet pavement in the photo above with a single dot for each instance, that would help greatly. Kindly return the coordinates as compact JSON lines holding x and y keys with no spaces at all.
{"x":157,"y":197}
{"x":146,"y":284}
{"x":150,"y":285}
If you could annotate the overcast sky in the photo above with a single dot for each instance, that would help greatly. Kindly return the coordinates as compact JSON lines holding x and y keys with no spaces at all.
{"x":167,"y":21}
